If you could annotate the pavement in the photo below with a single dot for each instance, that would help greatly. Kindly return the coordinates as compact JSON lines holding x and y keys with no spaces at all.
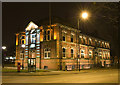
{"x":84,"y":76}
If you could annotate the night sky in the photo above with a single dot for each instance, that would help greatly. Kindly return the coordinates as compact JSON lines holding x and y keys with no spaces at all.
{"x":16,"y":16}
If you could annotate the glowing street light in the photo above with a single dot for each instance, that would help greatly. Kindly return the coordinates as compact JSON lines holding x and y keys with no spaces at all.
{"x":84,"y":15}
{"x":3,"y":47}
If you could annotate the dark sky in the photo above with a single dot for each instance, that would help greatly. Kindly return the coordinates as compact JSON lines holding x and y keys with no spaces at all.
{"x":16,"y":16}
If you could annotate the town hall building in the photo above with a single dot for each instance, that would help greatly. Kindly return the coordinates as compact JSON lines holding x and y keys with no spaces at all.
{"x":59,"y":47}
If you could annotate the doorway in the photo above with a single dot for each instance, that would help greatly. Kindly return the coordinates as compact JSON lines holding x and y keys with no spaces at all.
{"x":31,"y":64}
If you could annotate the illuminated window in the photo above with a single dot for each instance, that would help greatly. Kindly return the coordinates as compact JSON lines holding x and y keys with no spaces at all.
{"x":102,"y":44}
{"x":33,"y":38}
{"x":82,"y":54}
{"x":38,"y":37}
{"x":46,"y":53}
{"x":63,"y":52}
{"x":71,"y":38}
{"x":90,"y":54}
{"x":71,"y":53}
{"x":26,"y":39}
{"x":99,"y":43}
{"x":89,"y":41}
{"x":83,"y":40}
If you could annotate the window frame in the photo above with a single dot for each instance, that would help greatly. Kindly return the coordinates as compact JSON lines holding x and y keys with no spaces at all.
{"x":47,"y":51}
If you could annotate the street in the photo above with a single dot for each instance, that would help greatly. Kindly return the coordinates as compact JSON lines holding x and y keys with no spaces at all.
{"x":84,"y":76}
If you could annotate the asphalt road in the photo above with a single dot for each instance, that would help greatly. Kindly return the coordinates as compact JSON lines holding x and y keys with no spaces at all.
{"x":87,"y":76}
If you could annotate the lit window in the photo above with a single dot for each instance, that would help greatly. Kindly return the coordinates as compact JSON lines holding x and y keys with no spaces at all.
{"x":63,"y":52}
{"x":33,"y":38}
{"x":83,"y":40}
{"x":90,"y":54}
{"x":89,"y":41}
{"x":46,"y":53}
{"x":71,"y":53}
{"x":71,"y":38}
{"x":82,"y":54}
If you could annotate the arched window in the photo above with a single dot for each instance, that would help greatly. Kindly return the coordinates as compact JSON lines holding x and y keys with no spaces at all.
{"x":72,"y":53}
{"x":63,"y":52}
{"x":64,"y":36}
{"x":90,"y":54}
{"x":48,"y":35}
{"x":83,"y":40}
{"x":82,"y":53}
{"x":71,"y":38}
{"x":46,"y":53}
{"x":44,"y":34}
{"x":89,"y":41}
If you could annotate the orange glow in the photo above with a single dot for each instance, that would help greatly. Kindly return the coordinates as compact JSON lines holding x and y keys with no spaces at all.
{"x":16,"y":39}
{"x":55,"y":35}
{"x":41,"y":37}
{"x":52,"y":25}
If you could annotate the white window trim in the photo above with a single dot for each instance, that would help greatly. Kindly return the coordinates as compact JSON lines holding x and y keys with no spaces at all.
{"x":47,"y":54}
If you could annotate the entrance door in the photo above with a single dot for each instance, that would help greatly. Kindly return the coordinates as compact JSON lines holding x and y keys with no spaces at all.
{"x":31,"y":64}
{"x":104,"y":63}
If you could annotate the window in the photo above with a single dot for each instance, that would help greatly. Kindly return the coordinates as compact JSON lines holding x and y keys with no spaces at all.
{"x":48,"y":35}
{"x":63,"y":36}
{"x":79,"y":40}
{"x":95,"y":43}
{"x":89,"y":41}
{"x":99,"y":43}
{"x":82,"y":53}
{"x":71,"y":38}
{"x":22,"y":41}
{"x":46,"y":53}
{"x":45,"y":67}
{"x":63,"y":52}
{"x":23,"y":37}
{"x":45,"y":35}
{"x":102,"y":44}
{"x":71,"y":53}
{"x":33,"y":38}
{"x":83,"y":40}
{"x":90,"y":54}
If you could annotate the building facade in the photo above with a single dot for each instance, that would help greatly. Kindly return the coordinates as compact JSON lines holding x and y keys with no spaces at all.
{"x":60,"y":47}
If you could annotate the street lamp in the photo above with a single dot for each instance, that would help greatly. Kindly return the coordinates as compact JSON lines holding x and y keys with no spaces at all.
{"x":3,"y":55}
{"x":23,"y":46}
{"x":84,"y":16}
{"x":4,"y":47}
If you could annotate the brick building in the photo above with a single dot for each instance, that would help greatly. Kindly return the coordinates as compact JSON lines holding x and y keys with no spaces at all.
{"x":59,"y":47}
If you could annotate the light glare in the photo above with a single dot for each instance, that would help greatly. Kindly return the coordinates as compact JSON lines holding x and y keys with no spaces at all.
{"x":3,"y":47}
{"x":84,"y":15}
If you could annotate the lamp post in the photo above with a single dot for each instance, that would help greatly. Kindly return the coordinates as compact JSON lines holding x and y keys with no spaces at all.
{"x":84,"y":16}
{"x":23,"y":46}
{"x":3,"y":55}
